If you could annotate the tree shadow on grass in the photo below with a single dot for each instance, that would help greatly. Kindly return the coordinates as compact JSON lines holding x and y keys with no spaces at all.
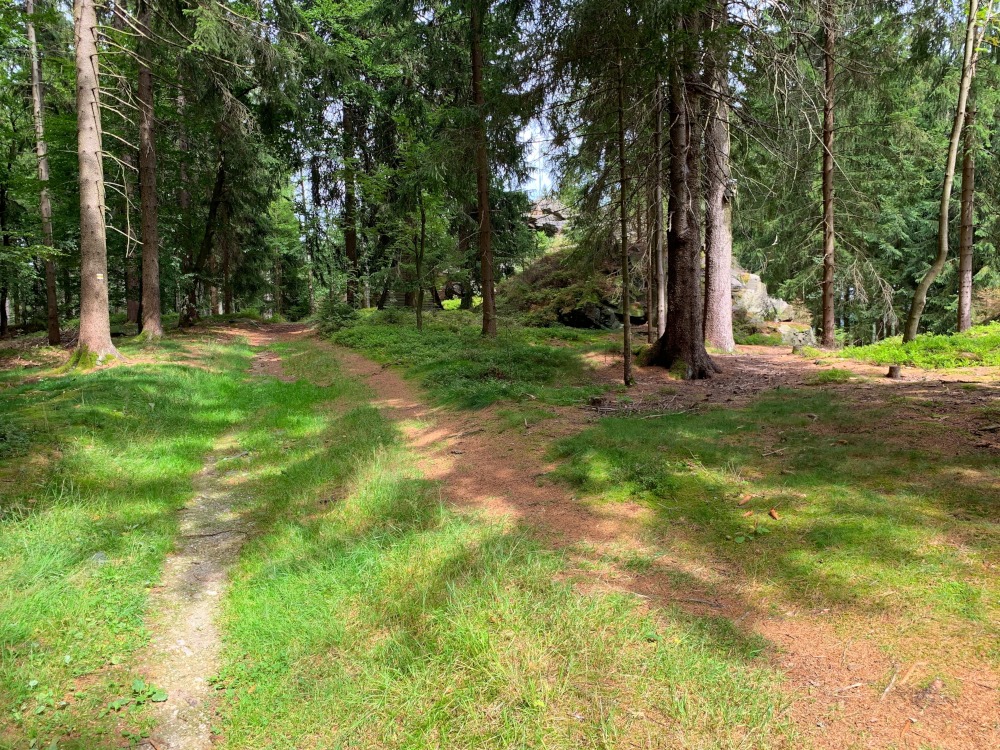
{"x":807,"y":492}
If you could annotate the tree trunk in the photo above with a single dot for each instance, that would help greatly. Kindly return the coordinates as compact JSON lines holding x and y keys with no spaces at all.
{"x":829,"y":19}
{"x":350,"y":208}
{"x":967,"y":232}
{"x":659,"y":251}
{"x":718,"y":206}
{"x":623,"y":229}
{"x":421,"y":248}
{"x":5,"y":241}
{"x":152,"y":325}
{"x":95,"y":322}
{"x":45,"y":205}
{"x":684,"y":340}
{"x":482,"y":174}
{"x":972,"y":37}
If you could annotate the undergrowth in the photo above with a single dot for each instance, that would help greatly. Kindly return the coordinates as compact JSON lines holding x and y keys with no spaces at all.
{"x":979,"y":345}
{"x":459,"y":366}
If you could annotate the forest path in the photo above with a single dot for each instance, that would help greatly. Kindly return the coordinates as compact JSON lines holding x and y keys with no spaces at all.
{"x":834,"y":683}
{"x":185,"y":647}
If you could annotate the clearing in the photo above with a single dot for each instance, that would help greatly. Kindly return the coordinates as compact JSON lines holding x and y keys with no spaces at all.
{"x":251,"y":537}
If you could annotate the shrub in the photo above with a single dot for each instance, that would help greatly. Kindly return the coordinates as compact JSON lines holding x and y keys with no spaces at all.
{"x":333,"y":315}
{"x":979,"y":345}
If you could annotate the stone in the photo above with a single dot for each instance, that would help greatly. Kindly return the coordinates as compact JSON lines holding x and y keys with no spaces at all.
{"x":796,"y":334}
{"x":591,"y":315}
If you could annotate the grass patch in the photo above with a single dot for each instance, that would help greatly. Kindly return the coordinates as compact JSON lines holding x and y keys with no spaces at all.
{"x":833,"y":375}
{"x":864,"y":525}
{"x":366,"y":614}
{"x":85,"y":521}
{"x":362,"y":612}
{"x":980,"y":345}
{"x":759,"y":339}
{"x":459,"y":367}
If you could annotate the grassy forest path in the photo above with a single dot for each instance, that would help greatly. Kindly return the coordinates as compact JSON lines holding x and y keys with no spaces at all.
{"x":251,"y":536}
{"x":843,"y":690}
{"x":184,"y":653}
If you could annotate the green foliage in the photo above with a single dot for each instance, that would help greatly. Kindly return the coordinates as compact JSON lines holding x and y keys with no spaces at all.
{"x":980,"y":345}
{"x":555,"y":284}
{"x":458,"y":366}
{"x":333,"y":315}
{"x":759,"y":339}
{"x":14,"y":440}
{"x":833,"y":375}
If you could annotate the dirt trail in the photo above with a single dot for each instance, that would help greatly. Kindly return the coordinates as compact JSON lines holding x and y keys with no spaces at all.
{"x":184,"y":651}
{"x":835,"y":686}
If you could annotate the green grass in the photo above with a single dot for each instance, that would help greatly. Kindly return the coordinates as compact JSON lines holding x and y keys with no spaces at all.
{"x":833,"y":375}
{"x":865,"y":525}
{"x":760,"y":339}
{"x":362,"y":613}
{"x":88,"y":512}
{"x":459,"y":367}
{"x":367,"y":614}
{"x":979,"y":345}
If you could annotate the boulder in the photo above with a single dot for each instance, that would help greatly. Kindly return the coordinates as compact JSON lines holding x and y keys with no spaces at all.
{"x":750,"y":298}
{"x":591,"y":315}
{"x":796,"y":334}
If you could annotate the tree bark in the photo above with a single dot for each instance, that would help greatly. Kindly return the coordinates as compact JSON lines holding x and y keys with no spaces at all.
{"x":967,"y":231}
{"x":972,"y":38}
{"x":45,"y":205}
{"x":829,"y":19}
{"x":659,"y":272}
{"x":350,"y":208}
{"x":623,"y":229}
{"x":718,"y":205}
{"x":95,"y":322}
{"x":684,"y":340}
{"x":152,"y":325}
{"x":482,"y":174}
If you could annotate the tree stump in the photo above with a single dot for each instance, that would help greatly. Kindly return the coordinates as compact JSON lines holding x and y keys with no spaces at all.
{"x":894,"y":372}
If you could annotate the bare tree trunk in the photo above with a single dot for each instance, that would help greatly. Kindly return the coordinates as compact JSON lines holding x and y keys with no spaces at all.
{"x":350,"y":208}
{"x":482,"y":175}
{"x":95,"y":322}
{"x":684,"y":340}
{"x":152,"y":325}
{"x":829,"y":18}
{"x":972,"y":37}
{"x":718,"y":206}
{"x":659,"y":251}
{"x":967,"y":232}
{"x":45,"y":205}
{"x":623,"y":229}
{"x":421,"y":247}
{"x":5,"y":243}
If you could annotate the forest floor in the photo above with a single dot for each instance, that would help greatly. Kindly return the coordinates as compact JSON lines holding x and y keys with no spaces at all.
{"x":798,"y":553}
